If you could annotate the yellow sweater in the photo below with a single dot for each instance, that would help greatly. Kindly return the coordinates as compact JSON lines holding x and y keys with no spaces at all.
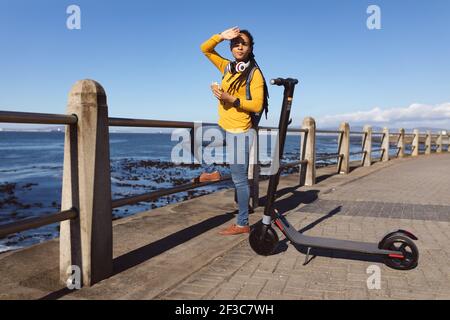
{"x":233,"y":119}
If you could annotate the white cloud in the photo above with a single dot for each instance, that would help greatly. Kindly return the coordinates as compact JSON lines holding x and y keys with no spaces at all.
{"x":416,"y":115}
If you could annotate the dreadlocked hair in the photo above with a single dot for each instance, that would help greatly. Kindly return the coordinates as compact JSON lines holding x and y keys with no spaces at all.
{"x":242,"y":79}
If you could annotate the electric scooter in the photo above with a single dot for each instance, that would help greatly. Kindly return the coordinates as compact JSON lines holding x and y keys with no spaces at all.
{"x":397,"y":248}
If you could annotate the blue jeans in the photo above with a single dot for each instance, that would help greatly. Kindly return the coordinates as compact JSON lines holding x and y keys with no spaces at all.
{"x":238,"y":150}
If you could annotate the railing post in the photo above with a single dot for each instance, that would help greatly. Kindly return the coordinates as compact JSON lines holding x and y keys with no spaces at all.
{"x":87,"y":241}
{"x":308,"y":150}
{"x":344,"y":149}
{"x":367,"y":147}
{"x":303,"y":167}
{"x":416,"y":143}
{"x":385,"y":145}
{"x":401,"y":144}
{"x":447,"y":137}
{"x":428,"y":143}
{"x":439,"y":143}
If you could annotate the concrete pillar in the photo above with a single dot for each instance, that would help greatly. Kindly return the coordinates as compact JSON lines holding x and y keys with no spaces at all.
{"x":367,"y":147}
{"x":87,"y":241}
{"x":344,"y":149}
{"x":445,"y":137}
{"x":385,"y":145}
{"x":416,"y":143}
{"x":439,"y":143}
{"x":428,"y":143}
{"x":401,"y":144}
{"x":308,"y":173}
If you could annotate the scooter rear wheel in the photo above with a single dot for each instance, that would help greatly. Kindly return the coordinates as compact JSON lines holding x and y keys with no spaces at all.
{"x":407,"y":247}
{"x":263,"y":240}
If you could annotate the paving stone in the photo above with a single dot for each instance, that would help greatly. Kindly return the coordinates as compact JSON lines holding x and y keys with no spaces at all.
{"x":274,"y":287}
{"x":249,"y":291}
{"x":306,"y":294}
{"x":226,"y":294}
{"x":182,"y":296}
{"x":356,"y":293}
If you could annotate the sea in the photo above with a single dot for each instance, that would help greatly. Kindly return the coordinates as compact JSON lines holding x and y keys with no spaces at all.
{"x":31,"y":169}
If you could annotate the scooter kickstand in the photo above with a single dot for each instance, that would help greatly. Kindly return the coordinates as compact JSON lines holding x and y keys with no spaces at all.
{"x":307,"y":256}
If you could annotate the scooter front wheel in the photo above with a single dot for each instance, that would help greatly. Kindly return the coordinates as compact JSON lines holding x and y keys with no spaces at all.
{"x":263,"y":240}
{"x":407,"y":247}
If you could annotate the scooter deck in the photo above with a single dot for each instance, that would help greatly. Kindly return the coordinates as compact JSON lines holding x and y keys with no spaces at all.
{"x":327,"y":243}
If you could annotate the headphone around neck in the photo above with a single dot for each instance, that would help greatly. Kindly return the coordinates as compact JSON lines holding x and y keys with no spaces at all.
{"x":236,"y":67}
{"x":241,"y":66}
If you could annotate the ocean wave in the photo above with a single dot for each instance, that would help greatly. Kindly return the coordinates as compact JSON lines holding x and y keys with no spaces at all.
{"x":5,"y":248}
{"x":48,"y":166}
{"x":118,"y":140}
{"x":27,"y":147}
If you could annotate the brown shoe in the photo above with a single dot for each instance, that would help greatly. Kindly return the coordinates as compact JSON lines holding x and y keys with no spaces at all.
{"x":234,"y":229}
{"x":208,"y":177}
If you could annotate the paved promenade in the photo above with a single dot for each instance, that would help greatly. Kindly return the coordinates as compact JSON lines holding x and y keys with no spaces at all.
{"x":176,"y":253}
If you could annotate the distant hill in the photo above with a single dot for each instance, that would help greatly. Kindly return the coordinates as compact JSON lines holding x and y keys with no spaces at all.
{"x":392,"y":129}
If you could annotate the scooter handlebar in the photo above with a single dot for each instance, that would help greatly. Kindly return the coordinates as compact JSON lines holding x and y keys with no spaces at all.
{"x":277,"y":82}
{"x":283,"y":82}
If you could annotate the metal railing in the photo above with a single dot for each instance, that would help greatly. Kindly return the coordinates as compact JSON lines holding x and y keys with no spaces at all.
{"x":163,"y":192}
{"x":329,"y":131}
{"x":37,"y":118}
{"x":57,"y":119}
{"x":331,"y":156}
{"x":29,"y":224}
{"x":70,"y":120}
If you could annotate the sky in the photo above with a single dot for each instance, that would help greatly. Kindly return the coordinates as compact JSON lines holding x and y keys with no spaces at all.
{"x":146,"y":54}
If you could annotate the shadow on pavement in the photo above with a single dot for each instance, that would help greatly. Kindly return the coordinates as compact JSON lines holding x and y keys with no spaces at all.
{"x":138,"y":256}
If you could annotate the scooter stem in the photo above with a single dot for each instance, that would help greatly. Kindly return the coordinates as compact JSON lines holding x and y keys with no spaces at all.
{"x":289,"y":87}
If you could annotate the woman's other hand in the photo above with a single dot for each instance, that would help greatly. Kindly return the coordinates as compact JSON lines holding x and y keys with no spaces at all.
{"x":230,"y":34}
{"x":225,"y":97}
{"x":216,"y":90}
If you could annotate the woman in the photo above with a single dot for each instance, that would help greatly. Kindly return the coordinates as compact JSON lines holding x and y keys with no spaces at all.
{"x":239,"y":102}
